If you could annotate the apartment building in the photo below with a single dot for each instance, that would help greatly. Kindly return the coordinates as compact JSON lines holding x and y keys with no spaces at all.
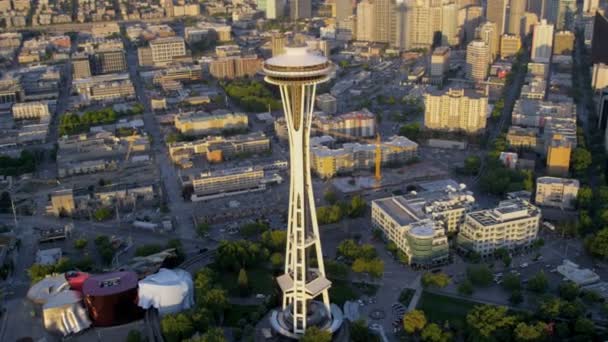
{"x":455,"y":110}
{"x":104,"y":87}
{"x":107,"y":62}
{"x":512,"y":225}
{"x":477,"y":60}
{"x":440,"y":63}
{"x":557,"y":192}
{"x":558,"y":156}
{"x":526,"y":137}
{"x":327,"y":162}
{"x":327,"y":103}
{"x":199,"y":123}
{"x":509,"y":45}
{"x":235,"y":67}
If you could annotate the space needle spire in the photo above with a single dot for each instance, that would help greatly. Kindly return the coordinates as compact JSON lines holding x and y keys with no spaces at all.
{"x":297,"y":73}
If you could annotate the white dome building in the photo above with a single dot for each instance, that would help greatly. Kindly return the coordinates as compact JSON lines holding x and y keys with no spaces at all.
{"x":169,"y":291}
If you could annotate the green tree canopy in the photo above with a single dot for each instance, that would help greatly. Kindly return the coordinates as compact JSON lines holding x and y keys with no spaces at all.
{"x":598,"y":244}
{"x":538,"y":283}
{"x":581,"y":160}
{"x":414,"y":321}
{"x":435,"y":279}
{"x":176,"y":327}
{"x":433,"y":333}
{"x":479,"y":275}
{"x":485,"y":321}
{"x":530,"y":332}
{"x":314,"y":334}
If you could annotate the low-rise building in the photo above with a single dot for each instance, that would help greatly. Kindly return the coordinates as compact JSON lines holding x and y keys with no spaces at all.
{"x":37,"y":110}
{"x":558,"y":156}
{"x":227,"y":182}
{"x":327,"y":103}
{"x":526,"y":137}
{"x":557,"y":192}
{"x":199,"y":123}
{"x":217,"y":148}
{"x":422,"y":239}
{"x":235,"y":67}
{"x":512,"y":225}
{"x":105,"y":87}
{"x":360,"y":123}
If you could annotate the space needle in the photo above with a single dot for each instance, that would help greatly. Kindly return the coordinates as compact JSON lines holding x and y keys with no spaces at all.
{"x":297,"y":73}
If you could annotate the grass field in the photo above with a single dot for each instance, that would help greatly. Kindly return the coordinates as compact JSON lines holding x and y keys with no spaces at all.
{"x":440,"y":308}
{"x":341,"y":291}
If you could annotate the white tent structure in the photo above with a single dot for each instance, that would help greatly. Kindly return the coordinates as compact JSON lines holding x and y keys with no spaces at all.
{"x":65,"y":314}
{"x":43,"y":290}
{"x":169,"y":291}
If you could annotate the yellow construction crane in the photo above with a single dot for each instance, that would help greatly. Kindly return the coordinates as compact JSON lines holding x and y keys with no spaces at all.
{"x":376,"y":142}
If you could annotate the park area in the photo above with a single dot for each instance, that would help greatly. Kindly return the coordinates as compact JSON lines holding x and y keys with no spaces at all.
{"x":439,"y":308}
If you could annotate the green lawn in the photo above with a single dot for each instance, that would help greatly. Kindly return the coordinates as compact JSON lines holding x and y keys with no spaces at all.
{"x":440,"y":308}
{"x":260,"y":281}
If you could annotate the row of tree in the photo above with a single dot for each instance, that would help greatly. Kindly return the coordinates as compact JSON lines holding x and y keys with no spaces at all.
{"x":251,"y":95}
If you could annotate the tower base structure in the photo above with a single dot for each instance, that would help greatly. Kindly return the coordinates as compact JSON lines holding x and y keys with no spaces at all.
{"x":317,"y":315}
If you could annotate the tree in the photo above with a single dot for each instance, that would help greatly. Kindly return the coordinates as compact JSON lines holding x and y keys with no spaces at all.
{"x":146,"y":250}
{"x":134,"y":336}
{"x":274,"y":240}
{"x":253,"y":229}
{"x":276,"y":259}
{"x":503,"y":254}
{"x":360,"y":333}
{"x":584,"y":326}
{"x":80,"y":244}
{"x":485,"y":320}
{"x":581,"y":160}
{"x":479,"y":275}
{"x":433,"y":333}
{"x":411,"y":131}
{"x":176,"y":327}
{"x":216,"y":301}
{"x":538,"y":283}
{"x":314,"y":334}
{"x":202,"y":229}
{"x":584,"y":197}
{"x":516,"y":297}
{"x":330,"y":197}
{"x":550,"y":308}
{"x":530,"y":332}
{"x":472,"y":165}
{"x":414,"y":321}
{"x":511,"y":282}
{"x":568,"y":290}
{"x":102,"y":214}
{"x":243,"y":281}
{"x":598,"y":244}
{"x":212,"y":335}
{"x":466,"y":288}
{"x":357,"y":207}
{"x":435,"y":279}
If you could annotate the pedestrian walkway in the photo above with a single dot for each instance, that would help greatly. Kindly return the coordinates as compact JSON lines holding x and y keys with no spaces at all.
{"x":416,"y":285}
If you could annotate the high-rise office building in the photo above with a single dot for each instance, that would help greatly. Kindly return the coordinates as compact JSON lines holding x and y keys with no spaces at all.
{"x":384,"y":14}
{"x":344,"y":9}
{"x":419,"y":27}
{"x":563,"y":43}
{"x":496,"y":13}
{"x":401,"y":38}
{"x":564,"y":17}
{"x":300,"y":9}
{"x":455,"y":110}
{"x":261,"y":5}
{"x":528,"y":21}
{"x":538,"y":7}
{"x":297,"y":73}
{"x":440,"y":63}
{"x":478,"y":60}
{"x":487,"y":33}
{"x":365,"y":20}
{"x":590,"y":6}
{"x":275,"y":9}
{"x":542,"y":42}
{"x":449,"y":25}
{"x":509,"y":45}
{"x":517,"y":9}
{"x":278,"y":42}
{"x":474,"y":15}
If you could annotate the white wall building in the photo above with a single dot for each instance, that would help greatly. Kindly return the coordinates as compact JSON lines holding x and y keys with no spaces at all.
{"x":542,"y":42}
